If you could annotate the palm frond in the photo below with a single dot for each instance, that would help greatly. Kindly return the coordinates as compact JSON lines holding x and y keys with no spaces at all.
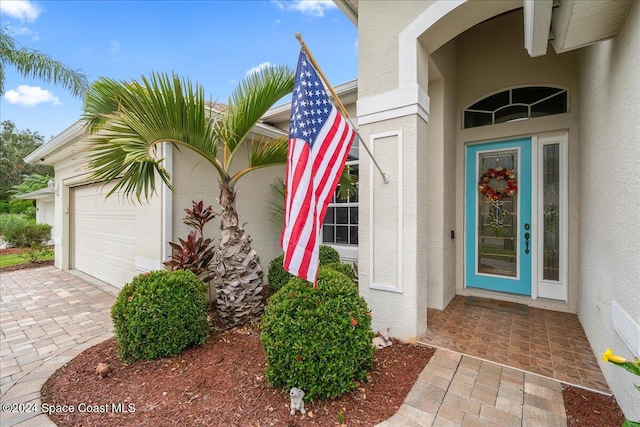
{"x":263,"y":153}
{"x":128,"y":119}
{"x":33,"y":64}
{"x":347,"y":185}
{"x":253,"y":97}
{"x":276,"y":206}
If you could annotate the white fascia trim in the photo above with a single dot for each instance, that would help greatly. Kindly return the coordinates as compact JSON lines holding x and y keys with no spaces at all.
{"x":401,"y":102}
{"x":537,"y":24}
{"x":408,"y":39}
{"x":57,"y":142}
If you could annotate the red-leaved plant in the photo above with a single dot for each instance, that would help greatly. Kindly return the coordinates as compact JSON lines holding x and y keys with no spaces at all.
{"x":195,"y":253}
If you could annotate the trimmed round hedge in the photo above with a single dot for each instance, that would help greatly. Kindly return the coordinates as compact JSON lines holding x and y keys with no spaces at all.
{"x":278,"y":276}
{"x":160,"y":314}
{"x":318,"y":340}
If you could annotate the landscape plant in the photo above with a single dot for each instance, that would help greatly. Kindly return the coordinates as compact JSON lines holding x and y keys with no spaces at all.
{"x":195,"y":253}
{"x":320,"y":339}
{"x":128,"y":119}
{"x":278,"y":276}
{"x":632,"y":366}
{"x":37,"y":253}
{"x":22,"y":232}
{"x":159,"y":314}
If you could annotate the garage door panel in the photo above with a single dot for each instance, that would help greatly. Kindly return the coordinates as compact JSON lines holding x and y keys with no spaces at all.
{"x":103,"y":234}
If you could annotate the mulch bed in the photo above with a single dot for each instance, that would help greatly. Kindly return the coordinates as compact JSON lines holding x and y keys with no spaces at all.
{"x":220,"y":383}
{"x":585,"y":408}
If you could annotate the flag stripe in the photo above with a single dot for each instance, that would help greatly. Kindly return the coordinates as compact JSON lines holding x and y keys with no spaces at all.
{"x":319,"y":143}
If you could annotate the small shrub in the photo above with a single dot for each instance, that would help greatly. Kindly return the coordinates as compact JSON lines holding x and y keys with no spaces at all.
{"x":318,"y":339}
{"x":12,"y":221}
{"x":328,"y":255}
{"x":37,"y":253}
{"x":278,"y":276}
{"x":23,"y":232}
{"x":160,"y":314}
{"x":344,"y":268}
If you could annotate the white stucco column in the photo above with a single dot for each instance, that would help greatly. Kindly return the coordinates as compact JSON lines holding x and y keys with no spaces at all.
{"x":393,"y":245}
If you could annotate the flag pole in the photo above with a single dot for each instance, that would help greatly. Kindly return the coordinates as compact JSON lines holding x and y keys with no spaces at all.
{"x":385,"y":177}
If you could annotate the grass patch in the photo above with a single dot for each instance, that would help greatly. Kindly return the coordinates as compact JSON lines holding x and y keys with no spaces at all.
{"x":8,"y":260}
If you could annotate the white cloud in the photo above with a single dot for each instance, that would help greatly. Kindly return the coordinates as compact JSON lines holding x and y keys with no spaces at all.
{"x":23,"y":10}
{"x":30,"y":96}
{"x":23,"y":31}
{"x":315,"y":8}
{"x":258,"y":68}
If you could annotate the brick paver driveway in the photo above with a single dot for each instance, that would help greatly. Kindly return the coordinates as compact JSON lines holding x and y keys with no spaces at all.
{"x":47,"y":317}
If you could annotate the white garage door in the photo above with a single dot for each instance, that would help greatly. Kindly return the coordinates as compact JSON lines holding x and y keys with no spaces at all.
{"x":103,"y":234}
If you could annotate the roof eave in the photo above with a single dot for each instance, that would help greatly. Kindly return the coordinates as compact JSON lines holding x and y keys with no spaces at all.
{"x":58,"y":142}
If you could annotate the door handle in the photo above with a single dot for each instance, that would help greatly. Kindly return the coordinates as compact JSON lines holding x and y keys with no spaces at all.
{"x":526,"y":239}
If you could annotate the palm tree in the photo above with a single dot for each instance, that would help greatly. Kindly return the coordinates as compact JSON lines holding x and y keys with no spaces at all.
{"x":30,"y":184}
{"x":129,"y":119}
{"x":34,"y":64}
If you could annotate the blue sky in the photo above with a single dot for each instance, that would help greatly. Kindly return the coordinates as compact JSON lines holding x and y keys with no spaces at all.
{"x":213,"y":43}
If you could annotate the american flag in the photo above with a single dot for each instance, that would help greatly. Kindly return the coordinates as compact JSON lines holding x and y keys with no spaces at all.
{"x":319,"y":142}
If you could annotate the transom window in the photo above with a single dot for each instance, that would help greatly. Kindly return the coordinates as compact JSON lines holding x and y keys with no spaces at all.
{"x":514,"y":104}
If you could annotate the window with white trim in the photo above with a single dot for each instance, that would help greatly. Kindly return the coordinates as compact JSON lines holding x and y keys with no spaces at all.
{"x":341,"y":221}
{"x":340,"y":226}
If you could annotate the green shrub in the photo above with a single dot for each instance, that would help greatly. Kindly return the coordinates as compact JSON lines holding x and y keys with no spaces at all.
{"x":318,"y":340}
{"x":11,"y":221}
{"x":278,"y":276}
{"x":23,"y":232}
{"x":24,"y":207}
{"x":4,"y":206}
{"x":344,"y":268}
{"x":37,"y":253}
{"x":160,"y":314}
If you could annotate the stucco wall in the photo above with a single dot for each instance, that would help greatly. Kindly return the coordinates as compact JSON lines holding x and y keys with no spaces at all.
{"x":610,"y":197}
{"x":377,"y":50}
{"x":439,"y":176}
{"x":393,"y":226}
{"x":195,"y":179}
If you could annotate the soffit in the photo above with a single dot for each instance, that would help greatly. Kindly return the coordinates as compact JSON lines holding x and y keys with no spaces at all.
{"x":578,"y":23}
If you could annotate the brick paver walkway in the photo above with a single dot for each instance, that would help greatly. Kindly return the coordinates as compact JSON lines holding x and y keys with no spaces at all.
{"x":458,"y":390}
{"x":47,"y":317}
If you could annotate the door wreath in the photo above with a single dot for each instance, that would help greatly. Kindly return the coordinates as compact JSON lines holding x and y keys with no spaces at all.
{"x":497,"y":213}
{"x":499,"y":174}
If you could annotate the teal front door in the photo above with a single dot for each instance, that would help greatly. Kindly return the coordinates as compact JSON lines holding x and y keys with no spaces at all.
{"x":498,"y":232}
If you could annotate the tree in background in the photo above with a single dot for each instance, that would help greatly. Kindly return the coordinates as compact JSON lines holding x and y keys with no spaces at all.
{"x":33,"y":64}
{"x":15,"y":145}
{"x":30,"y":184}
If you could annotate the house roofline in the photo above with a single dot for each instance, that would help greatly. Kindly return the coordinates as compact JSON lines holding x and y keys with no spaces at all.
{"x":43,"y":193}
{"x":349,"y":8}
{"x":56,"y":143}
{"x":346,"y":91}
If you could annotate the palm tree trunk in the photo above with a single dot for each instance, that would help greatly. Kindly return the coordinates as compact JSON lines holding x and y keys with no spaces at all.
{"x":239,"y":274}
